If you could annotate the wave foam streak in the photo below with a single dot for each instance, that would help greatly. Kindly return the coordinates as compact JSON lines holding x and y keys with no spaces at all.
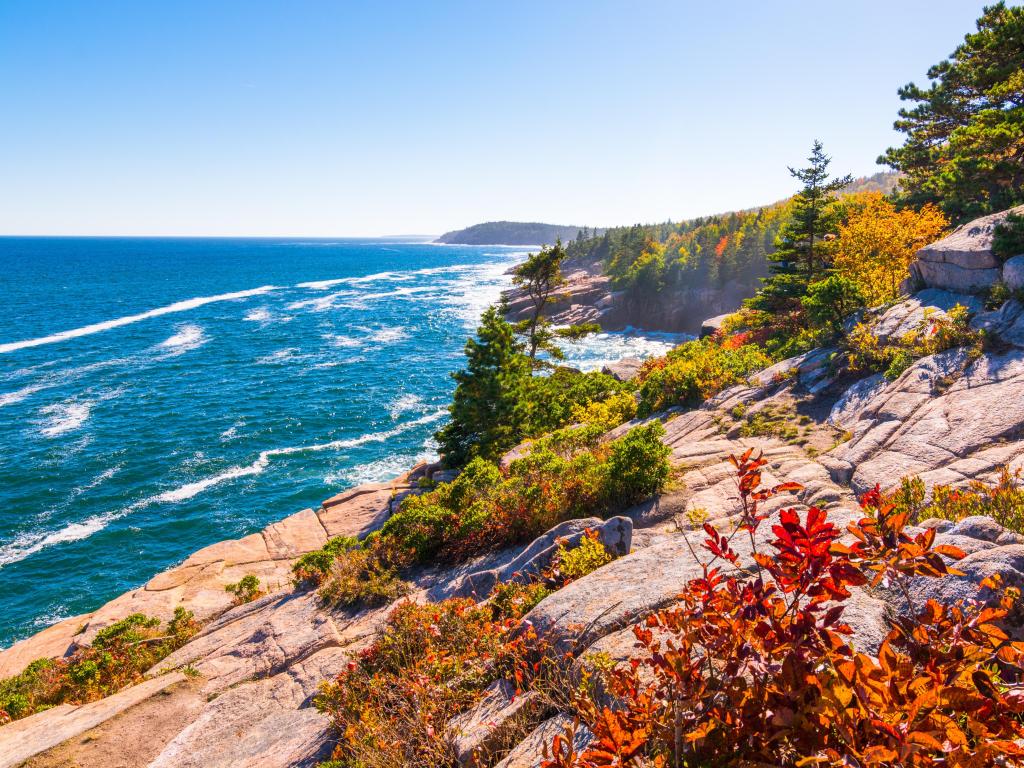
{"x":178,"y":306}
{"x":28,"y":544}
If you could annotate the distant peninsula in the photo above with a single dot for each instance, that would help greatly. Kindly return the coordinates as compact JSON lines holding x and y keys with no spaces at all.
{"x":516,"y":233}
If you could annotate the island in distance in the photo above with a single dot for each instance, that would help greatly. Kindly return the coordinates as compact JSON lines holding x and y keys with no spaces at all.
{"x":515,"y":233}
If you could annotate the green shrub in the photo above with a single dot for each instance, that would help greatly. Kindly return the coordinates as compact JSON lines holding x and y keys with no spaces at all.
{"x":118,"y":657}
{"x":1008,"y":237}
{"x":638,"y":465}
{"x":565,"y":475}
{"x":695,"y":371}
{"x":246,"y":590}
{"x":548,"y":402}
{"x":312,"y":567}
{"x":586,"y":557}
{"x":830,"y":301}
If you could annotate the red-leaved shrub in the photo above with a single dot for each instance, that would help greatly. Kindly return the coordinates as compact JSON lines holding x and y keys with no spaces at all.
{"x":754,"y":666}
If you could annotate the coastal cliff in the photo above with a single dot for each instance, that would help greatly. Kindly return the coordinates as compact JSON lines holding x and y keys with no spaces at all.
{"x":240,"y":693}
{"x":590,"y":297}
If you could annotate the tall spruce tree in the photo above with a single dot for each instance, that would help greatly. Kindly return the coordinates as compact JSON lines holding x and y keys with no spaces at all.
{"x":964,"y":147}
{"x":801,"y":254}
{"x":484,"y":420}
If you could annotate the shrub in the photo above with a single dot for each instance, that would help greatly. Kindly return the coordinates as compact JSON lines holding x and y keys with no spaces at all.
{"x":608,"y":413}
{"x":586,"y":557}
{"x":877,"y":243}
{"x":392,"y":704}
{"x":760,"y":670}
{"x":565,"y":475}
{"x":118,"y":657}
{"x":638,"y":465}
{"x":830,"y":301}
{"x":865,"y":352}
{"x":1003,"y":501}
{"x":550,"y":402}
{"x":1008,"y":237}
{"x":695,"y":371}
{"x":512,"y":598}
{"x":311,"y":569}
{"x":246,"y":590}
{"x":362,"y":576}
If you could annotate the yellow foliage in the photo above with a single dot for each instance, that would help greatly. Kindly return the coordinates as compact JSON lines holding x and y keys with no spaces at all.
{"x":607,"y":413}
{"x":877,"y":243}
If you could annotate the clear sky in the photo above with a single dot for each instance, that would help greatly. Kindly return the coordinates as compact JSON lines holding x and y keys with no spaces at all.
{"x":371,"y":118}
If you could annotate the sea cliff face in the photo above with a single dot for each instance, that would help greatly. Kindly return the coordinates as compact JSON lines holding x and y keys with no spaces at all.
{"x":239,"y":694}
{"x":588,"y":297}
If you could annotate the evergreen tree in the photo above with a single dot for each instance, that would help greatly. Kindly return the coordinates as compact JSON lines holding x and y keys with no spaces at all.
{"x":484,"y":420}
{"x":801,"y":254}
{"x":964,"y":149}
{"x":540,"y":277}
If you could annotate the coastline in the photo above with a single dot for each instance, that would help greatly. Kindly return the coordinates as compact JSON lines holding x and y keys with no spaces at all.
{"x":198,"y":583}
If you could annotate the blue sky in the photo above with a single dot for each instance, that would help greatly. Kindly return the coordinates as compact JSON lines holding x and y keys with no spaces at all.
{"x":372,"y":118}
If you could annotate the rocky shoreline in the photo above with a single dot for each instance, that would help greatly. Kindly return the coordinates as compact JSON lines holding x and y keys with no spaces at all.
{"x":239,"y":693}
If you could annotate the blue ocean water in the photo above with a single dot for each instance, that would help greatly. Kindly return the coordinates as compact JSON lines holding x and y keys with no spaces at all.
{"x":158,"y":395}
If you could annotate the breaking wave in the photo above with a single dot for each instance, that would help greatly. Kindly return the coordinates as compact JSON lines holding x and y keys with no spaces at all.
{"x":178,"y":306}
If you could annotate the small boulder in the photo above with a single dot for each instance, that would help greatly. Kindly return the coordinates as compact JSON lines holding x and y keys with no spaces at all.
{"x":713,"y":325}
{"x":496,"y":720}
{"x":1013,"y":273}
{"x":962,"y":261}
{"x":624,"y":370}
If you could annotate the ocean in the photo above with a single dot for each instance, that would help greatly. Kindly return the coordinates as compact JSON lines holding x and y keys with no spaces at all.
{"x":161,"y":394}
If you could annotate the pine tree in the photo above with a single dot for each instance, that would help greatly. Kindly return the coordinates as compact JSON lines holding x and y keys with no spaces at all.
{"x":801,"y":254}
{"x":964,"y":147}
{"x":540,"y":277}
{"x":483,"y":410}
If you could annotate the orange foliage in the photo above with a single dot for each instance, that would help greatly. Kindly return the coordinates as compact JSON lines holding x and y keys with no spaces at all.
{"x":877,"y":243}
{"x":759,"y":670}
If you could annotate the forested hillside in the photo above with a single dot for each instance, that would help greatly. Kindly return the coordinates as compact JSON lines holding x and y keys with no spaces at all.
{"x":706,"y":252}
{"x":515,"y":233}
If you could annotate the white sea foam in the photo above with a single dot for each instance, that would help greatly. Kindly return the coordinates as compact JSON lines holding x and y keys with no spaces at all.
{"x":323,"y":285}
{"x":405,"y":403}
{"x":477,"y":287}
{"x":340,"y":340}
{"x":386,"y":335}
{"x":178,"y":306}
{"x":259,"y":315}
{"x":10,"y":398}
{"x":322,"y":303}
{"x":186,"y":338}
{"x":372,"y":472}
{"x":594,"y":352}
{"x":280,"y":356}
{"x":262,"y":461}
{"x":97,"y":481}
{"x":28,"y":544}
{"x":65,"y":417}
